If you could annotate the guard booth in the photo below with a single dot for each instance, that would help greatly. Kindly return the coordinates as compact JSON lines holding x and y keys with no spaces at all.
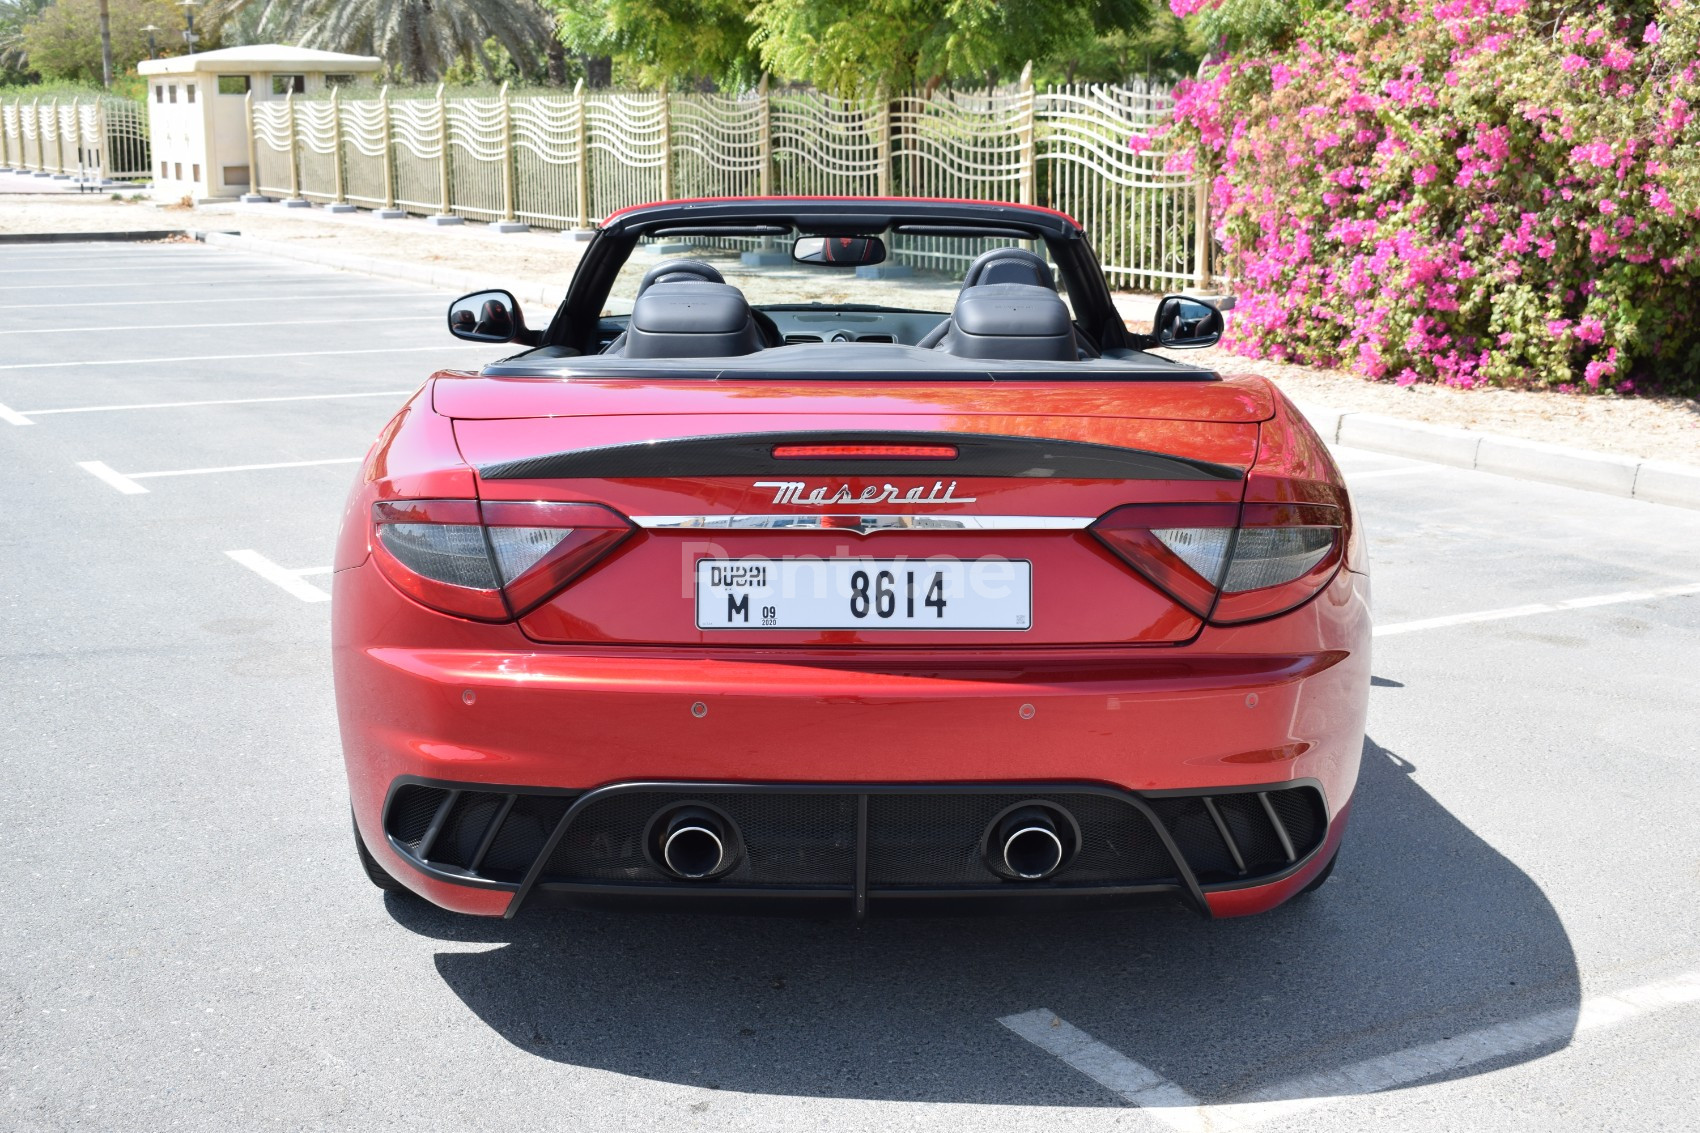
{"x":197,"y":109}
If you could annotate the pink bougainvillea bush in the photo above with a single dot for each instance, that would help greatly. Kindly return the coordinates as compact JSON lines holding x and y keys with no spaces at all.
{"x":1467,"y":191}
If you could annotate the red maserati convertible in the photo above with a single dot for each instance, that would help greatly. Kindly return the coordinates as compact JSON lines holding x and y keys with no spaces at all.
{"x":851,"y":553}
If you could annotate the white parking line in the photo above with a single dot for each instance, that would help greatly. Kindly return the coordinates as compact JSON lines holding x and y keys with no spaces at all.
{"x":1138,"y":1084}
{"x":192,"y":279}
{"x":22,"y":417}
{"x":289,"y":580}
{"x":1403,"y":470}
{"x":1539,"y":608}
{"x":239,"y":357}
{"x":118,"y":480}
{"x":245,"y":467}
{"x":174,"y":302}
{"x":126,"y":481}
{"x":207,"y":326}
{"x":1177,"y":1109}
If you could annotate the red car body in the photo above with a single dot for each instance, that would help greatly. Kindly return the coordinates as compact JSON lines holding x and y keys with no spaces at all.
{"x":1224,"y":743}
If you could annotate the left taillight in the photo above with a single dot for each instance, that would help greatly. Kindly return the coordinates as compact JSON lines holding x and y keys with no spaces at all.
{"x":491,"y":562}
{"x":1229,"y":563}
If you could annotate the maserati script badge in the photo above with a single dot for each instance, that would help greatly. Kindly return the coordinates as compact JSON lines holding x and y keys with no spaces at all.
{"x":797,"y":492}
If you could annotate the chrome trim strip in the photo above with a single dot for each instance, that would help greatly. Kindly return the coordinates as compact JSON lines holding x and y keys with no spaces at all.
{"x":864,"y":524}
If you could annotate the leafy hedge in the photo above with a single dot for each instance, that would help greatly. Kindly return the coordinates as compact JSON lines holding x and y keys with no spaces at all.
{"x":1465,"y":191}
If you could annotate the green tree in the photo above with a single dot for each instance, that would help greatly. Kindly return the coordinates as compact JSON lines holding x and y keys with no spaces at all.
{"x":682,"y":42}
{"x":852,"y":46}
{"x":419,"y":39}
{"x":63,"y":41}
{"x":15,"y":16}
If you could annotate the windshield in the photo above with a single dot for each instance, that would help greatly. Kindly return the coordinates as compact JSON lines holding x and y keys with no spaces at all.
{"x":920,"y":273}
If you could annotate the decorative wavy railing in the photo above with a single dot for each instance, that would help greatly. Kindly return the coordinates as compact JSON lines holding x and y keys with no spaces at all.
{"x":566,"y":161}
{"x":94,"y":138}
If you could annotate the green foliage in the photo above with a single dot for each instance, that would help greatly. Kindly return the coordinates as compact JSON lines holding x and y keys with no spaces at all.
{"x":131,"y":87}
{"x":681,"y":42}
{"x":1164,"y":50}
{"x":421,"y":40}
{"x":853,"y":46}
{"x":63,"y":42}
{"x":15,"y":16}
{"x":1256,"y":25}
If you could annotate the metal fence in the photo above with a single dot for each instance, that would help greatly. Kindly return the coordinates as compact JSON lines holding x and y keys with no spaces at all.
{"x":92,"y":137}
{"x":567,"y":161}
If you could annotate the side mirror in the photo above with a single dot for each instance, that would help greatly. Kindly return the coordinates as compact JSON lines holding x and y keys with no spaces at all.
{"x":1186,"y":323}
{"x":839,"y":251}
{"x":487,"y":316}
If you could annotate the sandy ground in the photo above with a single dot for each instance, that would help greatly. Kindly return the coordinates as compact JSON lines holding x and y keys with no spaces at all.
{"x":1646,"y":427}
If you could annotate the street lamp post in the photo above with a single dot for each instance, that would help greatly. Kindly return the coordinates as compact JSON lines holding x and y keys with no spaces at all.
{"x":153,"y":52}
{"x":189,"y":36}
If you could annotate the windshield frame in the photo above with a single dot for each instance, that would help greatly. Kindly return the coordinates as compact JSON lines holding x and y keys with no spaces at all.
{"x":576,"y":321}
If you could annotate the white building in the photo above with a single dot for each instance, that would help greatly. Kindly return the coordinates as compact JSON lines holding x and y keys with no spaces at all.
{"x":196,"y":119}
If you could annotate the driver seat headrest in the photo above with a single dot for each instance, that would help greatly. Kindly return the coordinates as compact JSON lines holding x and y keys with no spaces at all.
{"x":680,"y":271}
{"x":1009,"y":265}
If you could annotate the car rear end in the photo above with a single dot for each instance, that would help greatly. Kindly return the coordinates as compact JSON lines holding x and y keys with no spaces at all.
{"x":851,"y":648}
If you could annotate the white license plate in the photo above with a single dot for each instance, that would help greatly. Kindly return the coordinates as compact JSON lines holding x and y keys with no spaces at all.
{"x":864,"y":594}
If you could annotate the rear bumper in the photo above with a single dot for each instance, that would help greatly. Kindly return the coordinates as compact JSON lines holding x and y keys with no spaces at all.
{"x":482,"y":708}
{"x":856,"y":848}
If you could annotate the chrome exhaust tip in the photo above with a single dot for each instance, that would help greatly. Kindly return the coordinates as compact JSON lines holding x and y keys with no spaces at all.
{"x":1033,"y":852}
{"x":1032,"y":841}
{"x":695,"y":842}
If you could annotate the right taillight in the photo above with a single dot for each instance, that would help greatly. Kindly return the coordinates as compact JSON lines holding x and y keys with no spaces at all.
{"x":1229,"y":563}
{"x":492,"y":562}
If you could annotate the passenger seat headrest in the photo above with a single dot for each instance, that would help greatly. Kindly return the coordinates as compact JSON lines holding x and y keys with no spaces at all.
{"x":680,"y":271}
{"x":1009,"y":265}
{"x":1011,"y":321}
{"x":691,"y":320}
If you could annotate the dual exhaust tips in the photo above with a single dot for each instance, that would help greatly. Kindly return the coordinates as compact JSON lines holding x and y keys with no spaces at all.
{"x":1027,"y":842}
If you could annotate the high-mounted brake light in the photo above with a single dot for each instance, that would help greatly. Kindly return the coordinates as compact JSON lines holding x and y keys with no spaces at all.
{"x":864,"y":452}
{"x":492,"y":562}
{"x":1227,"y":563}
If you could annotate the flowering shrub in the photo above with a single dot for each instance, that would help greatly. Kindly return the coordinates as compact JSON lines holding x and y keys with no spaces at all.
{"x":1464,"y":191}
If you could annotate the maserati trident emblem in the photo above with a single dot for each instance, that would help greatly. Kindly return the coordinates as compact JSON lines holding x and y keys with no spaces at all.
{"x":798,"y":492}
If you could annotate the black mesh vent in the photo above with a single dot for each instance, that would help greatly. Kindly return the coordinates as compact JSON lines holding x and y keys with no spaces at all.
{"x":1197,"y":838}
{"x":934,"y":840}
{"x":788,"y":839}
{"x":522,"y":835}
{"x":1252,"y":833}
{"x":411,"y":811}
{"x":461,"y":835}
{"x":1300,"y":811}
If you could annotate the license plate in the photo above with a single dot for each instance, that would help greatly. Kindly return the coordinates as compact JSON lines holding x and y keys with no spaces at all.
{"x":864,"y":594}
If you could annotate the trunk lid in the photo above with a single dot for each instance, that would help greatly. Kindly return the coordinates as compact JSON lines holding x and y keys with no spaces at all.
{"x":690,"y":464}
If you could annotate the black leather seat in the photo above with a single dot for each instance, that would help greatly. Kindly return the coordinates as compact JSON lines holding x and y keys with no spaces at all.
{"x":690,"y":320}
{"x":683,"y":329}
{"x":1008,"y":308}
{"x":679,"y":271}
{"x":1009,"y":265}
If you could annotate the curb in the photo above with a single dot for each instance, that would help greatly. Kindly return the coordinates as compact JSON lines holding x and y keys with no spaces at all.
{"x":91,"y":237}
{"x":449,"y":279}
{"x":1655,"y":481}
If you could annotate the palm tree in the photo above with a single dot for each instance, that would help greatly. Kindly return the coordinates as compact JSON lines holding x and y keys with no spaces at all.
{"x":15,"y":16}
{"x":419,"y":38}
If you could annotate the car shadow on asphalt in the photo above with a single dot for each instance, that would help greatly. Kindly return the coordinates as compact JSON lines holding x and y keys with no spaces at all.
{"x":1424,"y":932}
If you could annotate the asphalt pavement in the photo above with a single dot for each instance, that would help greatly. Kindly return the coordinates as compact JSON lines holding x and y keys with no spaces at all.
{"x":1511,"y":940}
